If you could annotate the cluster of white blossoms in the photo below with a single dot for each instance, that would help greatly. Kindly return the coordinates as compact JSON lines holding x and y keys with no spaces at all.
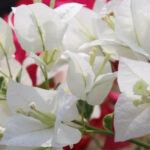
{"x":82,"y":43}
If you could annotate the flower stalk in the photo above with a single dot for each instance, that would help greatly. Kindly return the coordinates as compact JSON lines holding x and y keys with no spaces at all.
{"x":90,"y":129}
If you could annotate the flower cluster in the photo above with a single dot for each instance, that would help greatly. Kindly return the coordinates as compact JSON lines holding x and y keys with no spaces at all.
{"x":82,"y":45}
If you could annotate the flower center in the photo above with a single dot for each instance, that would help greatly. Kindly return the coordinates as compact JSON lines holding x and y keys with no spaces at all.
{"x":47,"y":119}
{"x":143,"y":89}
{"x":110,"y":20}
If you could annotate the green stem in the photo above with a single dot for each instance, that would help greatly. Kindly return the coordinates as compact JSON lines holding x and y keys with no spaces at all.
{"x":7,"y":62}
{"x":90,"y":129}
{"x":139,"y":143}
{"x":2,"y":99}
{"x":52,"y":3}
{"x":44,"y":71}
{"x":39,"y":29}
{"x":83,"y":110}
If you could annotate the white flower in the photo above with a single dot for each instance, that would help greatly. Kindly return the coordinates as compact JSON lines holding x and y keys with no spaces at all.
{"x":87,"y":83}
{"x":132,"y":25}
{"x":43,"y":119}
{"x":38,"y":27}
{"x":89,"y":29}
{"x":133,"y":106}
{"x":109,"y":39}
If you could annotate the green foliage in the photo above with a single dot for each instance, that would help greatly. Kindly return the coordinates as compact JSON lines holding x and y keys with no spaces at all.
{"x":84,"y":109}
{"x":108,"y":122}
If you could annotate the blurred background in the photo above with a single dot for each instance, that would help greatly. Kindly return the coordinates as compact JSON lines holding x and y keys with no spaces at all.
{"x":5,"y":6}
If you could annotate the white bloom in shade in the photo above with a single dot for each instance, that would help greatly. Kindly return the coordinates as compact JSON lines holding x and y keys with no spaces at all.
{"x":132,"y":25}
{"x":89,"y":82}
{"x":38,"y":27}
{"x":6,"y":39}
{"x":133,"y":106}
{"x":43,"y":117}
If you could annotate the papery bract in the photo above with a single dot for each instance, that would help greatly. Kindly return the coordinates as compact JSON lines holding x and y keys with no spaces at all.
{"x":132,"y":111}
{"x":34,"y":24}
{"x":84,"y":82}
{"x":22,"y":127}
{"x":132,"y":21}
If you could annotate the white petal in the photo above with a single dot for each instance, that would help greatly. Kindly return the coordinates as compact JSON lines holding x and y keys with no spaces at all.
{"x":130,"y":72}
{"x":25,"y":131}
{"x":81,"y":30}
{"x":25,"y":78}
{"x":65,"y":135}
{"x":67,"y":110}
{"x":26,"y":29}
{"x":98,"y":5}
{"x":68,"y":11}
{"x":6,"y":38}
{"x":80,"y":76}
{"x":98,"y":61}
{"x":130,"y":121}
{"x":96,"y":112}
{"x":125,"y":27}
{"x":101,"y":89}
{"x":20,"y":96}
{"x":31,"y":17}
{"x":141,"y":13}
{"x":89,"y":45}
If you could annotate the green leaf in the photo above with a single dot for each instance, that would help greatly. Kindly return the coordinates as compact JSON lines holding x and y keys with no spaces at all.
{"x":108,"y":122}
{"x":2,"y":81}
{"x":84,"y":109}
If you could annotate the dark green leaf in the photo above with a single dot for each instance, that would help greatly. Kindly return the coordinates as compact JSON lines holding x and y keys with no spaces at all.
{"x":108,"y":122}
{"x":84,"y":109}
